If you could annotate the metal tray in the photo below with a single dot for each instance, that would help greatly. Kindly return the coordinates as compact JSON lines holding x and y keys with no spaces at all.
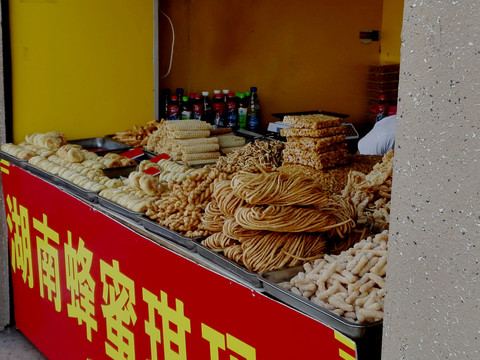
{"x":14,"y":160}
{"x":168,"y":234}
{"x":124,"y":171}
{"x":42,"y":174}
{"x":98,"y":144}
{"x":77,"y":190}
{"x":270,"y":282}
{"x":132,"y":215}
{"x":249,"y":276}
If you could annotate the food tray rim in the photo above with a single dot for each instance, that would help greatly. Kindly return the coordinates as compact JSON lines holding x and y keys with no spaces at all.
{"x":249,"y":276}
{"x":88,"y":195}
{"x":22,"y":163}
{"x":355,"y":331}
{"x":167,"y":234}
{"x":110,"y":205}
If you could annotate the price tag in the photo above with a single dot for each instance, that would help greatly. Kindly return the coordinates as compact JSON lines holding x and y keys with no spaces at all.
{"x":133,"y":154}
{"x":160,"y":157}
{"x":152,"y":171}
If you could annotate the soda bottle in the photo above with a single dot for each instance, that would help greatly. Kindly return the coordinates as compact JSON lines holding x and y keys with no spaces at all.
{"x":253,"y":111}
{"x":197,"y":107}
{"x":164,"y":100}
{"x":207,"y":107}
{"x":180,"y":96}
{"x":225,"y":94}
{"x":218,"y":106}
{"x":186,"y":109}
{"x":215,"y":92}
{"x":381,"y":110}
{"x":242,"y":111}
{"x":173,"y":108}
{"x":232,"y":111}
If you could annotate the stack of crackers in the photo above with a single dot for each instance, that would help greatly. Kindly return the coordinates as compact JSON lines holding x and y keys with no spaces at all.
{"x":316,"y":140}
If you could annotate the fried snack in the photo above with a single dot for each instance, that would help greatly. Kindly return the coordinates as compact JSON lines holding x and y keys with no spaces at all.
{"x":212,"y":219}
{"x":137,"y":136}
{"x":296,"y":219}
{"x":149,"y":184}
{"x":18,"y":151}
{"x":72,"y":153}
{"x":266,"y":154}
{"x":316,"y":161}
{"x":277,"y":188}
{"x":312,"y":121}
{"x":371,"y":194}
{"x":232,"y":229}
{"x":328,"y":131}
{"x":218,"y":242}
{"x":268,"y":251}
{"x":351,"y":284}
{"x":332,"y":181}
{"x":226,"y":200}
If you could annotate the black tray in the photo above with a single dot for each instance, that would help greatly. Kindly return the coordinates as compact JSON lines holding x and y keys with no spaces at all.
{"x":132,"y":215}
{"x":270,"y":282}
{"x":249,"y":276}
{"x":168,"y":234}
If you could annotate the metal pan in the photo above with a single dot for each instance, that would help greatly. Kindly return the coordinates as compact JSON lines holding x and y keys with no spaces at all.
{"x":14,"y":160}
{"x":88,"y":195}
{"x":42,"y":174}
{"x":249,"y":276}
{"x":99,"y":144}
{"x":132,"y":215}
{"x":168,"y":234}
{"x":270,"y":282}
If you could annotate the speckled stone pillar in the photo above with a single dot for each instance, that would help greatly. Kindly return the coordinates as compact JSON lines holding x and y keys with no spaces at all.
{"x":432,"y":303}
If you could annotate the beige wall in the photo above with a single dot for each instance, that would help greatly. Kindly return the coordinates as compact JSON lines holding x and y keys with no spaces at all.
{"x":301,"y":55}
{"x":432,"y":303}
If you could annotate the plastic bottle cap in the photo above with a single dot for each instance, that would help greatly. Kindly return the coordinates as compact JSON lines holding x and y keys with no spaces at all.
{"x":253,"y":88}
{"x":241,"y":96}
{"x":185,"y":98}
{"x":216,"y":91}
{"x":179,"y":89}
{"x":226,"y":91}
{"x":205,"y":93}
{"x":231,"y":94}
{"x":218,"y":96}
{"x":174,"y":97}
{"x":197,"y":96}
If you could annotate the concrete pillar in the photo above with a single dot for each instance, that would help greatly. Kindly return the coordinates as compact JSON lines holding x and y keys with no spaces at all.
{"x":432,"y":305}
{"x":4,"y":264}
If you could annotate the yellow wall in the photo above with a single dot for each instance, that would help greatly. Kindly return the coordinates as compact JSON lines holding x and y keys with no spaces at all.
{"x":83,"y":67}
{"x":302,"y":55}
{"x":391,"y":31}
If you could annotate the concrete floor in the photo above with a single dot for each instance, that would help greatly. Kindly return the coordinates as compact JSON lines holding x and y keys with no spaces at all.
{"x":15,"y":346}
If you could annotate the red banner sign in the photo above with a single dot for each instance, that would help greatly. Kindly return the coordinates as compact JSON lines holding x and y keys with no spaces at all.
{"x":88,"y":287}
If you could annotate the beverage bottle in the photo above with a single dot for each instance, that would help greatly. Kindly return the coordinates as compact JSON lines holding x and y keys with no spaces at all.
{"x":242,"y":111}
{"x":381,"y":110}
{"x":186,"y":109}
{"x":173,"y":108}
{"x":180,"y":96}
{"x":197,"y":107}
{"x":253,"y":111}
{"x":164,"y":100}
{"x":215,"y":92}
{"x":207,"y":107}
{"x":218,"y":107}
{"x":225,"y":94}
{"x":231,"y":111}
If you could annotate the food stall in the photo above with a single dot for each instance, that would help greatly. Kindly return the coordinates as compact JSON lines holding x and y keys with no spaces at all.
{"x":95,"y":278}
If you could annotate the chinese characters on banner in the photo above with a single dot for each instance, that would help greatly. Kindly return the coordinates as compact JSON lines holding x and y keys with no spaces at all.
{"x":98,"y":290}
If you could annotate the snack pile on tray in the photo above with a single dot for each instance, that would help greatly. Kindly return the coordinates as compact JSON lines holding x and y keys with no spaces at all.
{"x":188,"y":141}
{"x":138,"y":136}
{"x":351,"y":284}
{"x":272,"y":220}
{"x":181,"y":208}
{"x":315,"y":140}
{"x":51,"y":153}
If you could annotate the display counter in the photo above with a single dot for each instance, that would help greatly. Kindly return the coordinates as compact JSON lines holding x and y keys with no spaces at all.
{"x":90,"y":283}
